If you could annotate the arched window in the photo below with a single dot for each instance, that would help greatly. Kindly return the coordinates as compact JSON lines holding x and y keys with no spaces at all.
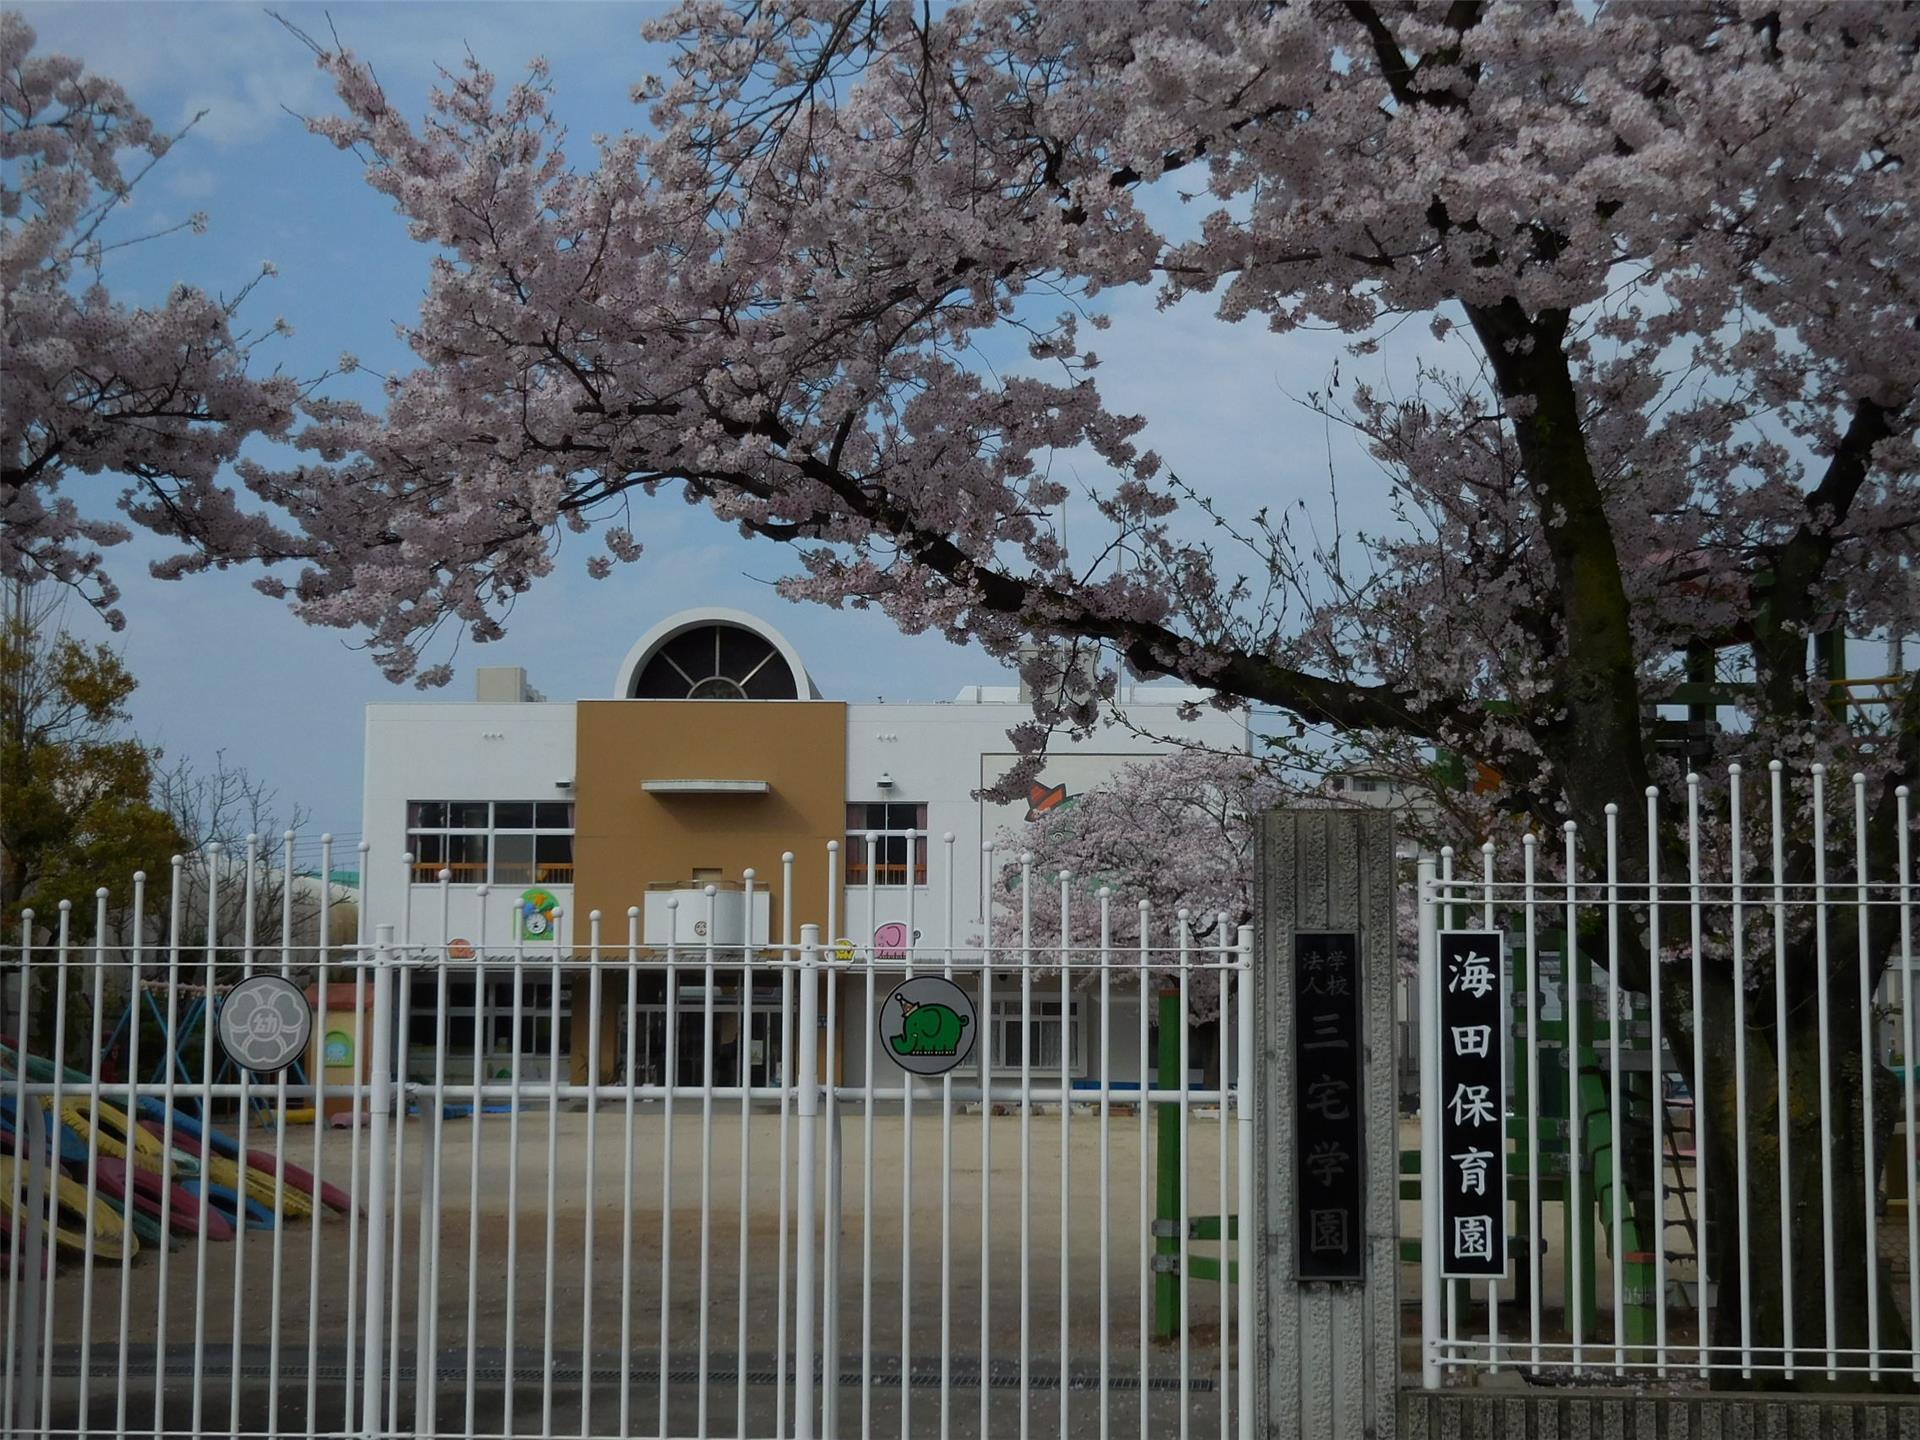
{"x":716,"y":662}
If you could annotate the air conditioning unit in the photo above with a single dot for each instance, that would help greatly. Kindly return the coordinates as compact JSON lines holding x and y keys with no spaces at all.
{"x":684,"y":922}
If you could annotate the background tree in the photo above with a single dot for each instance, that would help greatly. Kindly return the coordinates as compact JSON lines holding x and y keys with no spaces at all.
{"x":77,"y":809}
{"x":77,"y":805}
{"x":1174,"y":831}
{"x":155,"y":399}
{"x":1177,"y":832}
{"x":218,"y":811}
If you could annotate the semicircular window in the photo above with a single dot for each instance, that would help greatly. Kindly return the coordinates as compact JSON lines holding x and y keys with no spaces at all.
{"x":716,"y":662}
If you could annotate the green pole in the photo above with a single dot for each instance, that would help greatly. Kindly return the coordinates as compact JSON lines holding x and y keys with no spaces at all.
{"x":1166,"y":1274}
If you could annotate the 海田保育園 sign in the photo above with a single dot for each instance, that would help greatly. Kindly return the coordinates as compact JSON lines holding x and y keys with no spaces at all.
{"x":1473,"y":1110}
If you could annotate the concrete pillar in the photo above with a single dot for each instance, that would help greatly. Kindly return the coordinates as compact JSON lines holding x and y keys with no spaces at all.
{"x":1326,"y":1354}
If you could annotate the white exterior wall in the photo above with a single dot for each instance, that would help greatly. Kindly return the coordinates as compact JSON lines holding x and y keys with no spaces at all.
{"x":456,"y":750}
{"x":939,"y":755}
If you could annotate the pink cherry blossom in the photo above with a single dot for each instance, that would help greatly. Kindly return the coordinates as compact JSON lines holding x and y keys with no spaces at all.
{"x":1672,"y":242}
{"x":154,"y":400}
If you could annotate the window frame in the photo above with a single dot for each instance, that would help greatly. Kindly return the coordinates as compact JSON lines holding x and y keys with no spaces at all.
{"x":912,"y":867}
{"x":427,"y":872}
{"x":1007,"y":1012}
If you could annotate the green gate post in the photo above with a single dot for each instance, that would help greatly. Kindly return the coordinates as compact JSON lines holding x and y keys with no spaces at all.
{"x":1166,"y":1203}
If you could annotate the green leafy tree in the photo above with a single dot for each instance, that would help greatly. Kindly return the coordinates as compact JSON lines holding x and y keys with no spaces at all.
{"x":77,"y":808}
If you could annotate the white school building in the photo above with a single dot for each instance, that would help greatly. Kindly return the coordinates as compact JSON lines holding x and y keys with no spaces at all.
{"x":713,"y":755}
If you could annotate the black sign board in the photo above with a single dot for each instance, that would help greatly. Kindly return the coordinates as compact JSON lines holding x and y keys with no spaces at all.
{"x":1329,"y":1180}
{"x":1473,"y":1109}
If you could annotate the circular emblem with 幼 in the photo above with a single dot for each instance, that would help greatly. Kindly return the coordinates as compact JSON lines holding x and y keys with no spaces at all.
{"x":265,"y":1023}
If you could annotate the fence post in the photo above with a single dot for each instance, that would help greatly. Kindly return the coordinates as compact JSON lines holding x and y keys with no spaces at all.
{"x":1427,"y":1008}
{"x":1169,"y":1135}
{"x":1329,"y":1350}
{"x":807,"y":1114}
{"x":34,"y":1249}
{"x":1243,"y":1113}
{"x":380,"y":1104}
{"x":835,"y":1218}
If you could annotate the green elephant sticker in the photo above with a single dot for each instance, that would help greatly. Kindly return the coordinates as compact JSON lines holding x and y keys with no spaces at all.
{"x":928,"y":1025}
{"x":928,"y":1029}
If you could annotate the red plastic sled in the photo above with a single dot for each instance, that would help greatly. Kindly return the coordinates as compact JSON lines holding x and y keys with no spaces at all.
{"x":182,"y":1215}
{"x":186,"y":1135}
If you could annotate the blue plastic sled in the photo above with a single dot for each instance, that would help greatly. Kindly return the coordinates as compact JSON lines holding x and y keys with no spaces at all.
{"x":259,"y":1217}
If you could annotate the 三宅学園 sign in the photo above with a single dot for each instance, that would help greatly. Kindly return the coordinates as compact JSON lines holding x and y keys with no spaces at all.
{"x":1328,"y":1176}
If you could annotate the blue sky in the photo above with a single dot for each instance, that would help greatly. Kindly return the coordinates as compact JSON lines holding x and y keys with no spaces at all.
{"x":223,"y":669}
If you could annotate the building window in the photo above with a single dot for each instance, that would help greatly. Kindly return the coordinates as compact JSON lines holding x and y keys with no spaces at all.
{"x":1035,"y":1029}
{"x":899,"y":843}
{"x":497,"y":842}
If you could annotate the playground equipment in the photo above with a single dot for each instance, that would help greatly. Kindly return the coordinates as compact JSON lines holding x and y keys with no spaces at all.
{"x":172,"y":1056}
{"x":145,"y":1189}
{"x":75,"y":1217}
{"x":153,"y":1116}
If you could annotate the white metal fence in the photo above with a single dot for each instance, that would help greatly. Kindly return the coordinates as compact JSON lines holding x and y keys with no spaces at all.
{"x":1621,"y":1191}
{"x":756,"y":1243}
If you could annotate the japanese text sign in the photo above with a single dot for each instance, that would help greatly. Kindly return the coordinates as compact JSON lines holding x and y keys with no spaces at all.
{"x":1328,"y":1176}
{"x":1473,"y":1111}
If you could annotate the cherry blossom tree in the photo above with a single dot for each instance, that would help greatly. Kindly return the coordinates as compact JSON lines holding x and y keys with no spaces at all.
{"x":1176,"y":832}
{"x":1173,"y":831}
{"x":99,"y":393}
{"x":1664,"y":437}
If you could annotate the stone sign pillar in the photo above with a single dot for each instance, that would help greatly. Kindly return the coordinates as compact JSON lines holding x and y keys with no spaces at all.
{"x":1326,"y":1356}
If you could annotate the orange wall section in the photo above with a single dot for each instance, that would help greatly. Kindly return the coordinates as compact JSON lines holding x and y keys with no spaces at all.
{"x":626,"y":840}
